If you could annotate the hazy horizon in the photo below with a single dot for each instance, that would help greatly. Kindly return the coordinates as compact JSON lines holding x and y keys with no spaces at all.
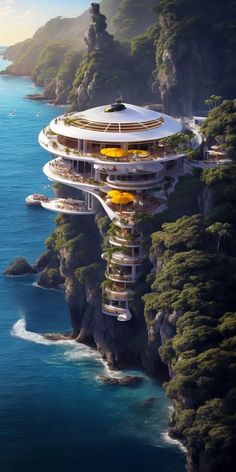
{"x":19,"y":19}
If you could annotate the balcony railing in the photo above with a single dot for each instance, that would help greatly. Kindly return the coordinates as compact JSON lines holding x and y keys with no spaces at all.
{"x":123,"y":314}
{"x":124,"y":259}
{"x":50,"y":141}
{"x":117,"y":276}
{"x":65,"y":171}
{"x":122,"y":241}
{"x":67,"y":205}
{"x":135,"y":184}
{"x":114,"y":294}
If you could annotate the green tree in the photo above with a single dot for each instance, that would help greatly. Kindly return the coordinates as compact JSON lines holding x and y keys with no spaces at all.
{"x":222,"y":231}
{"x":214,"y":101}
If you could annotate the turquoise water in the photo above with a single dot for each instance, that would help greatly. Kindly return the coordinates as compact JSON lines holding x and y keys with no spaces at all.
{"x":55,"y":415}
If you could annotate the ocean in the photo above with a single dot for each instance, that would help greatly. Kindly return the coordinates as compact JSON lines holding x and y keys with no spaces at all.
{"x":55,"y":414}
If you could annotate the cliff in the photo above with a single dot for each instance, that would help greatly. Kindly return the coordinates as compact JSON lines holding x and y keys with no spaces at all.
{"x":53,"y":57}
{"x":70,"y":31}
{"x":100,"y":77}
{"x":193,"y":296}
{"x":128,"y":17}
{"x":176,"y":52}
{"x":186,"y":291}
{"x":76,"y":246}
{"x":195,"y":53}
{"x":83,"y":271}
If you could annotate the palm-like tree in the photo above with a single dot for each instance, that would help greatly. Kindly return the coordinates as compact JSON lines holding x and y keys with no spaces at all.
{"x":222,"y":231}
{"x":213,"y":102}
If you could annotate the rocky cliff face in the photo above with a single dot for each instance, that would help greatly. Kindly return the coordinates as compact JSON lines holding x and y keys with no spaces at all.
{"x":120,"y":344}
{"x":106,"y":69}
{"x":195,"y":56}
{"x":53,"y":57}
{"x":148,"y":340}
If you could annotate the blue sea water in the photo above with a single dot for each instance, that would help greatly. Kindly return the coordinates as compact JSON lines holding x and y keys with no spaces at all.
{"x":55,"y":415}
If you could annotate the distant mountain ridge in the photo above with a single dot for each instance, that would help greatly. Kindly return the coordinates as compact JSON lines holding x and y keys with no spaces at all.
{"x":54,"y":56}
{"x":72,"y":31}
{"x":174,"y":52}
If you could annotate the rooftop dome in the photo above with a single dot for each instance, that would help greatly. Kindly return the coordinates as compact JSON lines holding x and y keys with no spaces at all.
{"x":117,"y":122}
{"x":122,"y":113}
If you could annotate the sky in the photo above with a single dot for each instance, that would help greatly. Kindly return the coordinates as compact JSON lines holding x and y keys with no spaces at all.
{"x":19,"y":19}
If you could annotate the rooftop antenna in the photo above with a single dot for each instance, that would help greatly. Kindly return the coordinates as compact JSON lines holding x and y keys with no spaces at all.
{"x":119,"y":99}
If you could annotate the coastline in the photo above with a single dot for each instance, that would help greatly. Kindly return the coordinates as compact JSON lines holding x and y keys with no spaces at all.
{"x":73,"y":355}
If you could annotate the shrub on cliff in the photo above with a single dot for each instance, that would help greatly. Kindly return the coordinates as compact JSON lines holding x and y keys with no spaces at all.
{"x":49,"y":63}
{"x":197,"y":283}
{"x":220,"y":127}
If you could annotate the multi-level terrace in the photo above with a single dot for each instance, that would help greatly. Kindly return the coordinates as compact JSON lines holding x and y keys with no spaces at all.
{"x":115,"y":155}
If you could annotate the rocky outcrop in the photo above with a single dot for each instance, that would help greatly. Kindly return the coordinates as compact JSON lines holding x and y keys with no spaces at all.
{"x":107,"y":69}
{"x":37,"y":97}
{"x":206,"y":201}
{"x":97,"y":41}
{"x":125,"y":381}
{"x":53,"y":57}
{"x":75,"y":254}
{"x":43,"y":260}
{"x":193,"y":53}
{"x":50,"y":278}
{"x":19,"y":267}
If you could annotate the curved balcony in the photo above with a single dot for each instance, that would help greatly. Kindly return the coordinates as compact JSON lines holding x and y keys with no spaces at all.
{"x":122,"y":259}
{"x":67,"y":206}
{"x":122,"y":314}
{"x":60,"y":172}
{"x":113,"y":294}
{"x":119,"y":241}
{"x":50,"y":141}
{"x":120,"y":277}
{"x":133,"y":182}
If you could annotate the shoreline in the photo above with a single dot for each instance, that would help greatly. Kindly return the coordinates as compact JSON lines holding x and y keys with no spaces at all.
{"x":19,"y":331}
{"x":113,"y":372}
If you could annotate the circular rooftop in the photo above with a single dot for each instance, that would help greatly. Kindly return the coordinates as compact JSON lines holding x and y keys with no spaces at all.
{"x":116,"y":123}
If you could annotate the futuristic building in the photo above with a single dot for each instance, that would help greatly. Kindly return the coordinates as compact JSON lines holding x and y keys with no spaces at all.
{"x":115,"y":154}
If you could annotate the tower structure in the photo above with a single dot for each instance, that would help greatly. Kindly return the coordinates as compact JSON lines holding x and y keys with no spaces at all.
{"x":114,"y":154}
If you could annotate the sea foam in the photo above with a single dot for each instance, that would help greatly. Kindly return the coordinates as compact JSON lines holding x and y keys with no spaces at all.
{"x":175,"y":442}
{"x":76,"y":352}
{"x":19,"y":331}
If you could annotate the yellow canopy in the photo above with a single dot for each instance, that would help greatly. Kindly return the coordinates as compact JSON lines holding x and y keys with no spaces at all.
{"x":123,"y":198}
{"x":140,"y":152}
{"x":113,"y":193}
{"x":216,"y":153}
{"x":113,"y":152}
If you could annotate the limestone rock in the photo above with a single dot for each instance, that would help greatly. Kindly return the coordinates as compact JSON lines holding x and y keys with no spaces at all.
{"x":50,"y":278}
{"x":57,"y":337}
{"x":126,"y":381}
{"x":43,"y":260}
{"x":19,"y":267}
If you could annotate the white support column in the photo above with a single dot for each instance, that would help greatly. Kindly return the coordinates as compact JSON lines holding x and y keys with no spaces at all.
{"x":90,"y":201}
{"x":133,"y":272}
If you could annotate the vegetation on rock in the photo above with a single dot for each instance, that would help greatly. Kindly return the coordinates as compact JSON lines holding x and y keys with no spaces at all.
{"x":195,"y":287}
{"x":129,"y":15}
{"x":180,"y":54}
{"x":19,"y":267}
{"x":195,"y":52}
{"x":220,"y":127}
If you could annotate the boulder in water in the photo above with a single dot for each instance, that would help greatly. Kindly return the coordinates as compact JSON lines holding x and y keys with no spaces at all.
{"x":126,"y":381}
{"x":19,"y":267}
{"x":57,"y":337}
